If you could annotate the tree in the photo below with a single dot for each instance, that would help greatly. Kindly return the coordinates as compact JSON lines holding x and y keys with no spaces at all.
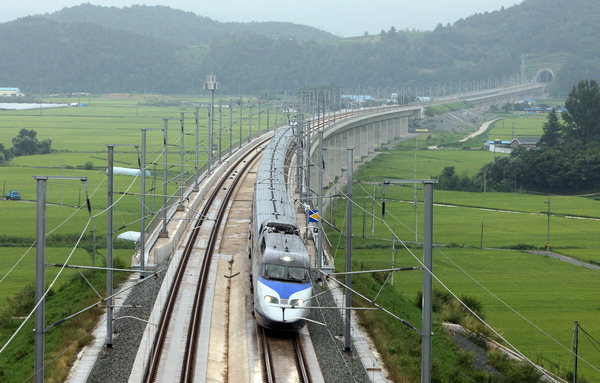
{"x":582,"y":117}
{"x":553,"y":131}
{"x":448,"y":180}
{"x":26,"y":143}
{"x":5,"y":154}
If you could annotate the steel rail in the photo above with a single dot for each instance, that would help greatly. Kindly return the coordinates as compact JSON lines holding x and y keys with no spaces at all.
{"x":188,"y":366}
{"x":157,"y":347}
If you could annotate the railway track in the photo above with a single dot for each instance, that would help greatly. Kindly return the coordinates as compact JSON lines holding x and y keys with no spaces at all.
{"x":179,"y":327}
{"x":175,"y":346}
{"x":282,"y":357}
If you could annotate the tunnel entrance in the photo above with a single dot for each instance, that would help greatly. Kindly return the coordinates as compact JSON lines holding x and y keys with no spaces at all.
{"x":544,"y":75}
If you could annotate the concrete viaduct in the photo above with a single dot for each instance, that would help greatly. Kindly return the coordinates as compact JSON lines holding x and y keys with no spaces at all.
{"x":366,"y":133}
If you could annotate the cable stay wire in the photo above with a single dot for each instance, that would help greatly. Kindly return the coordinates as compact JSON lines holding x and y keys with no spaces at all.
{"x":594,"y":341}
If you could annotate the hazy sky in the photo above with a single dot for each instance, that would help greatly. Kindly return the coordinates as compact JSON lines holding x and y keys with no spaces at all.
{"x":341,"y":17}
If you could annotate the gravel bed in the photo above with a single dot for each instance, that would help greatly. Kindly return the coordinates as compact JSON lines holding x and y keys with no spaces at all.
{"x":114,"y":364}
{"x":336,"y":364}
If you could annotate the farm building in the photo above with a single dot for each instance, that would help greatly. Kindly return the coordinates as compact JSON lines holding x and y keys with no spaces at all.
{"x":504,"y":146}
{"x":10,"y":92}
{"x":526,"y":142}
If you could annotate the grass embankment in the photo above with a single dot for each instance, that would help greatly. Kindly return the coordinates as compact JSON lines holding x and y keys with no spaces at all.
{"x":62,"y":342}
{"x":445,"y":108}
{"x":530,"y":299}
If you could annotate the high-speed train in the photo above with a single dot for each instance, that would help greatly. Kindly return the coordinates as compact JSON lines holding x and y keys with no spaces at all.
{"x":280,"y":262}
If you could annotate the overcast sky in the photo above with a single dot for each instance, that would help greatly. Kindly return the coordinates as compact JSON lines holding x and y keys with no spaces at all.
{"x":341,"y":17}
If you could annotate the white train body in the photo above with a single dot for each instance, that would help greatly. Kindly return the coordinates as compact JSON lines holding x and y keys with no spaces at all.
{"x":280,"y":261}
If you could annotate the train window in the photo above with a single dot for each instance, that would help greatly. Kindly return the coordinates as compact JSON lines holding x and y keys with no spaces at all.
{"x":297,"y":273}
{"x":274,"y":271}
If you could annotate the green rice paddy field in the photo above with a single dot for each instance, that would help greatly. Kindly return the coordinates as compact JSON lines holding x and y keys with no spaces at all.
{"x":531,"y":299}
{"x":549,"y":293}
{"x":79,"y":137}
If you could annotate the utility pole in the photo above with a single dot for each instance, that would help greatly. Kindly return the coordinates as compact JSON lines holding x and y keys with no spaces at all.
{"x":164,"y":233}
{"x":109,"y":249}
{"x":40,"y":282}
{"x":40,"y":272}
{"x":109,"y":244}
{"x":250,"y":123}
{"x":241,"y":119}
{"x":143,"y":207}
{"x":575,"y":350}
{"x":415,"y":191}
{"x":548,"y":230}
{"x":320,"y":202}
{"x":230,"y":126}
{"x":299,"y":154}
{"x":427,"y":282}
{"x":348,"y":281}
{"x":220,"y":130}
{"x":307,"y":166}
{"x":258,"y":123}
{"x":373,"y":213}
{"x":393,"y":259}
{"x":426,"y":302}
{"x":211,"y":85}
{"x":196,"y":117}
{"x":180,"y":206}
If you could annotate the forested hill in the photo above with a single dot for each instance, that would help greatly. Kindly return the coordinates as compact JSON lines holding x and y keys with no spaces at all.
{"x":180,"y":26}
{"x":159,"y":49}
{"x":562,"y":34}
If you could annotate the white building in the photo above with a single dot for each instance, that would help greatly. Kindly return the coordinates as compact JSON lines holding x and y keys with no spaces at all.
{"x":10,"y":92}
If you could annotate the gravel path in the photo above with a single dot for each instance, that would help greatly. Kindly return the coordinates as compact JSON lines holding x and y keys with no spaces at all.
{"x":337,"y":365}
{"x":565,"y":259}
{"x":482,"y":129}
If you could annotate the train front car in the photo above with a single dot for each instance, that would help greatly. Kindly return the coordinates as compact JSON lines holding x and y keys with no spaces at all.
{"x":282,"y":287}
{"x":280,"y":261}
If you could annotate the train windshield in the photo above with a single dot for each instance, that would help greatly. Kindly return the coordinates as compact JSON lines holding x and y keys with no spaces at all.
{"x":286,"y":273}
{"x":297,"y":273}
{"x":275,"y":271}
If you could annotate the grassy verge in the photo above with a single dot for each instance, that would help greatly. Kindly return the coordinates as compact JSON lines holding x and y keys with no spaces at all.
{"x":63,"y":342}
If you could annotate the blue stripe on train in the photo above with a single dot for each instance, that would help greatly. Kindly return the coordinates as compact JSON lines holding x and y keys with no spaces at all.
{"x":284,"y":289}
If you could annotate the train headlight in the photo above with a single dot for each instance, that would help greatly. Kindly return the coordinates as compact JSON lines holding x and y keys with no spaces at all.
{"x":271,"y":299}
{"x":296,"y":302}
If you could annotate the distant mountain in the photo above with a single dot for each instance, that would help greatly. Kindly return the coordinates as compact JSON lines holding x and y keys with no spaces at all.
{"x":42,"y":54}
{"x":561,"y":34}
{"x":179,"y":26}
{"x":159,"y":49}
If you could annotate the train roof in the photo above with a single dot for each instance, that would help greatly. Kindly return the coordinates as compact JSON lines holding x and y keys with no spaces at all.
{"x":271,"y":198}
{"x":285,"y":249}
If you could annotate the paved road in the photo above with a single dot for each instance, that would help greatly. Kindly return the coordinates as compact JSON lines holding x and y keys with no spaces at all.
{"x":565,"y":259}
{"x":482,"y":129}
